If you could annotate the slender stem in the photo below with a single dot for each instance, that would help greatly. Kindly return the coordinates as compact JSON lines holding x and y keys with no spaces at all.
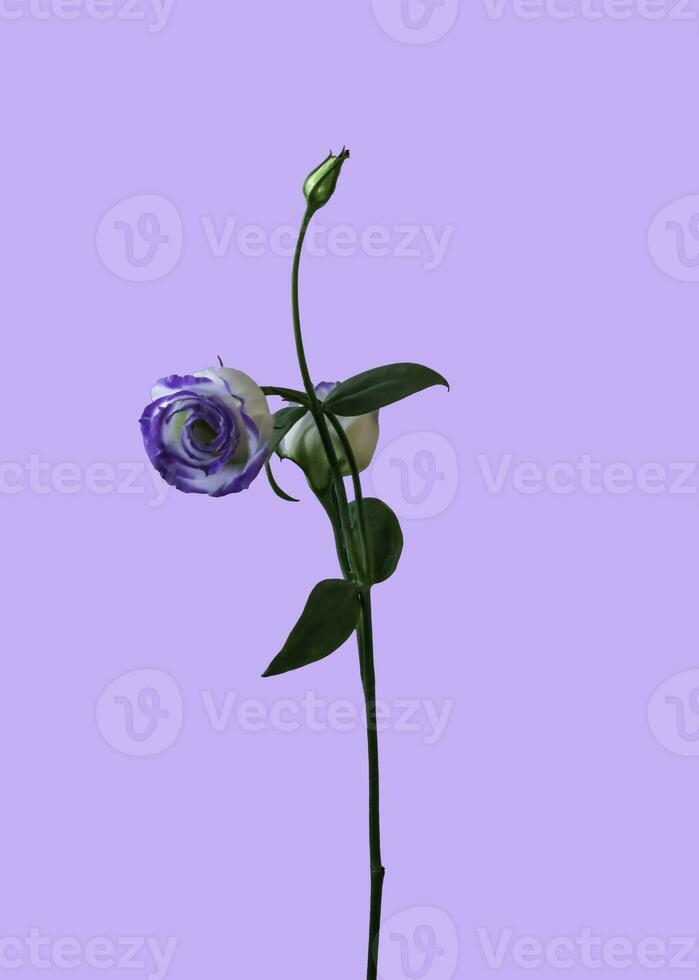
{"x":365,"y":642}
{"x":356,"y":483}
{"x":378,"y":872}
{"x":328,"y":499}
{"x":365,"y":639}
{"x":344,"y":557}
{"x":298,"y":338}
{"x":334,"y":500}
{"x":316,"y":410}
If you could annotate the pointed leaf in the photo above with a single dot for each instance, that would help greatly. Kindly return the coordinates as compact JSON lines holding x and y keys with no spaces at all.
{"x":275,"y":486}
{"x":384,"y":537}
{"x":288,"y":394}
{"x":379,"y":387}
{"x":284,"y":420}
{"x":330,"y":615}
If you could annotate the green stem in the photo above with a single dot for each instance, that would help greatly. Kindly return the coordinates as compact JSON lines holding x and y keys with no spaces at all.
{"x":334,"y":500}
{"x":365,"y":640}
{"x":328,"y":499}
{"x":314,"y":403}
{"x":357,"y":485}
{"x":298,"y":338}
{"x":378,"y":872}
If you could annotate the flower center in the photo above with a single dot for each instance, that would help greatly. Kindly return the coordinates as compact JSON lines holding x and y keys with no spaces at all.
{"x":202,"y":433}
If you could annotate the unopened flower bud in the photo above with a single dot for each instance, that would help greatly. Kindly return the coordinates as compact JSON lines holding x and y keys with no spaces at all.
{"x":303,"y":443}
{"x":320,"y":184}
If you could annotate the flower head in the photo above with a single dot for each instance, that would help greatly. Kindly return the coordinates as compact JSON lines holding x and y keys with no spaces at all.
{"x":320,"y":184}
{"x":303,"y":443}
{"x":207,"y":432}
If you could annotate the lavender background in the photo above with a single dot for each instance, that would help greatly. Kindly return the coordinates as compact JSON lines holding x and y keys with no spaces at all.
{"x":549,"y":804}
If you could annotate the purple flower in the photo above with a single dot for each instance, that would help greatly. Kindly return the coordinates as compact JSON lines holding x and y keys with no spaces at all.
{"x":207,"y":432}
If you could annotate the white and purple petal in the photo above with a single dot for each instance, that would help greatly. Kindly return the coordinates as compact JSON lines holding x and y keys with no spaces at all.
{"x":199,"y":434}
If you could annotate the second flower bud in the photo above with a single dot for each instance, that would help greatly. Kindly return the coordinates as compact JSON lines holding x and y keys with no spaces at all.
{"x":304,"y":446}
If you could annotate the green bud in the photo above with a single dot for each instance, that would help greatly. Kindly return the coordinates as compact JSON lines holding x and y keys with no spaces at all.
{"x":320,"y":184}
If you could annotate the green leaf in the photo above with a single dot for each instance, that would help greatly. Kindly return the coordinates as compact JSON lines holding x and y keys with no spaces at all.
{"x":379,"y":387}
{"x":288,"y":394}
{"x":330,"y":615}
{"x":284,"y":420}
{"x":275,"y":486}
{"x":384,"y":537}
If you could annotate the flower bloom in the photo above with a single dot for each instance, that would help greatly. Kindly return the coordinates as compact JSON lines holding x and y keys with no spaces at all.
{"x":303,"y":443}
{"x":207,"y":432}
